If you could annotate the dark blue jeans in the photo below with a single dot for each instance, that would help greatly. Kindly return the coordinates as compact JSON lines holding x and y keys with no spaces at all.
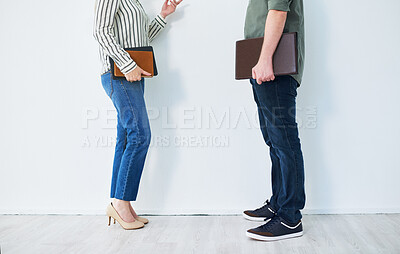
{"x":276,"y":102}
{"x":133,"y":135}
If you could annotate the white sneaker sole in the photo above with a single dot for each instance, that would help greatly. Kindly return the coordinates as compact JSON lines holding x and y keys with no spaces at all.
{"x":254,"y":218}
{"x":273,"y":238}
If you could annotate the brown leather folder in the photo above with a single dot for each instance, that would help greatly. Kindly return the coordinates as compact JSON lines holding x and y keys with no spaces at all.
{"x":284,"y":61}
{"x":144,"y":58}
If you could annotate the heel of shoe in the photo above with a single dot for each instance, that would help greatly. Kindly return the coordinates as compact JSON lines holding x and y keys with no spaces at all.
{"x":109,"y":213}
{"x":112,"y":213}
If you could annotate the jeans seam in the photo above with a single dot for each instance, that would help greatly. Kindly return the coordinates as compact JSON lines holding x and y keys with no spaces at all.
{"x":287,"y":138}
{"x":138,"y":131}
{"x":111,"y":84}
{"x":297,"y":172}
{"x":129,"y":165}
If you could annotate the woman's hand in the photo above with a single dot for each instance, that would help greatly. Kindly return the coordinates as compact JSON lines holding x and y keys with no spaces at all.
{"x":169,"y":7}
{"x":136,"y":74}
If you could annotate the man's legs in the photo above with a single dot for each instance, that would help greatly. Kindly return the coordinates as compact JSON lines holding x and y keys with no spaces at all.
{"x":276,"y":168}
{"x":277,"y":102}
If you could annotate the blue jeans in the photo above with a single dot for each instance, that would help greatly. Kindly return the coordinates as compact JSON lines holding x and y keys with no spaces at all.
{"x":276,"y":102}
{"x":133,"y":135}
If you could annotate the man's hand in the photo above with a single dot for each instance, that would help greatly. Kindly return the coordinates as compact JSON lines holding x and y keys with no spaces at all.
{"x":263,"y":71}
{"x":136,"y":74}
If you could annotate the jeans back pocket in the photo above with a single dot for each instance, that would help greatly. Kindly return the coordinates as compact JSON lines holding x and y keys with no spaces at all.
{"x":107,"y":82}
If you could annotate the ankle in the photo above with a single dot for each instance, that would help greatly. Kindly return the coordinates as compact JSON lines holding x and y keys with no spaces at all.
{"x":121,"y":203}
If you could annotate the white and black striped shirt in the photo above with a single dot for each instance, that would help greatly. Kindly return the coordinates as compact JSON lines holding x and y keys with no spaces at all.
{"x":123,"y":24}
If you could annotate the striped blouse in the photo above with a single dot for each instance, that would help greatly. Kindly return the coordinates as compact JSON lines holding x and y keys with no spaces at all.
{"x":123,"y":24}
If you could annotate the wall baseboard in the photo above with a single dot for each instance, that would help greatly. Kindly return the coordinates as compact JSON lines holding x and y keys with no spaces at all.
{"x":191,"y":212}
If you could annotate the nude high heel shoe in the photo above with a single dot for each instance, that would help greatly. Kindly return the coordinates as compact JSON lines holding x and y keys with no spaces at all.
{"x":144,"y":220}
{"x":112,"y":213}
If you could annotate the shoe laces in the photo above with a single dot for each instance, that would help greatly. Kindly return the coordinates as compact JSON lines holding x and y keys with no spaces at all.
{"x":271,"y":224}
{"x":265,"y":206}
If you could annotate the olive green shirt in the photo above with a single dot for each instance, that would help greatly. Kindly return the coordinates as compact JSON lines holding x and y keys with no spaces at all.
{"x":256,"y":16}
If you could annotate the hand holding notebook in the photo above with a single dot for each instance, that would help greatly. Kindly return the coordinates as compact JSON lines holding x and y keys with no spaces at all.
{"x":144,"y":58}
{"x":136,"y":74}
{"x":284,"y":60}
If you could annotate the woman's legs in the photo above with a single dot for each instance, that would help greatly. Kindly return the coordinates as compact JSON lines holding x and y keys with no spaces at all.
{"x":119,"y":152}
{"x":123,"y":207}
{"x":133,"y":140}
{"x":129,"y":101}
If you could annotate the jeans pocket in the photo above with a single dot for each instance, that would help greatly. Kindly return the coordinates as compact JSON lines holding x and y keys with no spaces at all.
{"x":107,"y":82}
{"x":293,"y":87}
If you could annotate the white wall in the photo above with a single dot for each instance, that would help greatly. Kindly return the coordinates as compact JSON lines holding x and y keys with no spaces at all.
{"x":348,"y":108}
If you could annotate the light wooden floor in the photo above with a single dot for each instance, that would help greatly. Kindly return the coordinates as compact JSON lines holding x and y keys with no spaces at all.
{"x":196,"y":234}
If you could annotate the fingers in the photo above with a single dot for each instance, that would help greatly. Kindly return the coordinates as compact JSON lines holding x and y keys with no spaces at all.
{"x":173,"y":3}
{"x":146,"y":73}
{"x":134,"y":78}
{"x":269,"y":78}
{"x":260,"y":78}
{"x":177,"y":1}
{"x":136,"y":75}
{"x":262,"y":74}
{"x":166,"y":3}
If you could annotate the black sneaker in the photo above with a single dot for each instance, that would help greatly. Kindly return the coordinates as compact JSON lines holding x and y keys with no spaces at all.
{"x":260,"y":214}
{"x":276,"y":229}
